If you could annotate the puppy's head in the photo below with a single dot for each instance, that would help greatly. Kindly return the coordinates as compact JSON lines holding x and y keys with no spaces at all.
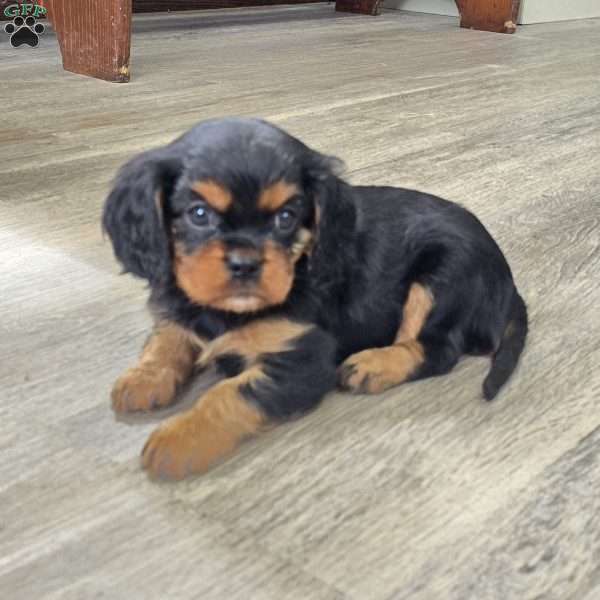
{"x":225,"y":212}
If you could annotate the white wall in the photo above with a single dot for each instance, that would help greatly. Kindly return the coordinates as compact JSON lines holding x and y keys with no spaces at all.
{"x":532,"y":11}
{"x":540,"y":11}
{"x":434,"y":7}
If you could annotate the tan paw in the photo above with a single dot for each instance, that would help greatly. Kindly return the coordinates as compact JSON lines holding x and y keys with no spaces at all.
{"x":364,"y":372}
{"x":143,"y":389}
{"x":184,"y":445}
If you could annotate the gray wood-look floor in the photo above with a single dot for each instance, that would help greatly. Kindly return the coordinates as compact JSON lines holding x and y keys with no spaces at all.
{"x":424,"y":492}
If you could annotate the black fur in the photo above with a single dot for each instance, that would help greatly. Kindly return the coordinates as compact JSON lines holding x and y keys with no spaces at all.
{"x":506,"y":357}
{"x":132,"y":218}
{"x":230,"y":365}
{"x":296,"y":379}
{"x":371,"y":244}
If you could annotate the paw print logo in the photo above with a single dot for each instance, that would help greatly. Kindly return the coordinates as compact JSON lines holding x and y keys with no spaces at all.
{"x":24,"y":31}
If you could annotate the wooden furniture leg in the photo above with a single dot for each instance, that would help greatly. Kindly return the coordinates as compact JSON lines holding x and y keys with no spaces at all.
{"x":363,"y":7}
{"x":499,"y":16}
{"x":94,"y":36}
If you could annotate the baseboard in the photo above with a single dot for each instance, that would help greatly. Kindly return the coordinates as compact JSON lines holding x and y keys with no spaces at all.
{"x":532,"y":11}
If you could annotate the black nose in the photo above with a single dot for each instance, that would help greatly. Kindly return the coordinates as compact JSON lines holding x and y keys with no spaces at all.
{"x":243,"y":265}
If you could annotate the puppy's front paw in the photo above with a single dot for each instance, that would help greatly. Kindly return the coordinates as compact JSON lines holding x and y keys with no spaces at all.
{"x":364,"y":373}
{"x":144,"y":388}
{"x":183,"y":445}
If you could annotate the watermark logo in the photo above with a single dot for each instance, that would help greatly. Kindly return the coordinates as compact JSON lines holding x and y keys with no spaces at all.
{"x":24,"y":28}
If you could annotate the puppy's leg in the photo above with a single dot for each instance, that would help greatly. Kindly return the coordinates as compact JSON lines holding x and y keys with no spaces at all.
{"x":410,"y":357}
{"x":286,"y":369}
{"x":166,"y":362}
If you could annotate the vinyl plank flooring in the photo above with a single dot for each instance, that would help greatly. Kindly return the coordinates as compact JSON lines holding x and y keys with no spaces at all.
{"x":424,"y":492}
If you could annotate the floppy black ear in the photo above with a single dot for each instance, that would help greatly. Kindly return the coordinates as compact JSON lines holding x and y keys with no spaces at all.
{"x":334,"y":219}
{"x":133,"y":213}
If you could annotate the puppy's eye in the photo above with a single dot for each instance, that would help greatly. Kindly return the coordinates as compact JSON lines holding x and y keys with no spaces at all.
{"x":199,"y":215}
{"x":286,"y":219}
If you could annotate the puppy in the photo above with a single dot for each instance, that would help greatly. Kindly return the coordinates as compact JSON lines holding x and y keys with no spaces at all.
{"x":262,"y":260}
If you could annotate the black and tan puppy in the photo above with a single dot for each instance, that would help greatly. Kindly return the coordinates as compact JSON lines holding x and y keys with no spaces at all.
{"x":260,"y":259}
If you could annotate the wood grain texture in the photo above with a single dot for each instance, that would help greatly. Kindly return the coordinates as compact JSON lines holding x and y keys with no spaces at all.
{"x":424,"y":492}
{"x":489,"y":15}
{"x":94,"y":37}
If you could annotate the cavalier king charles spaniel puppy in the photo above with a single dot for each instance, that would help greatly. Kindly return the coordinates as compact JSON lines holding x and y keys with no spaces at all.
{"x":263,"y":261}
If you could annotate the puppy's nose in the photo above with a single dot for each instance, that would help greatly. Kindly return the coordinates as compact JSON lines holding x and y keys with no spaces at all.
{"x":243,"y":265}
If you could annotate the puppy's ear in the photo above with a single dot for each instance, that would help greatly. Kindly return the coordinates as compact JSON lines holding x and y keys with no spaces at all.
{"x":334,"y":218}
{"x":133,"y":213}
{"x":321,"y":167}
{"x":321,"y":179}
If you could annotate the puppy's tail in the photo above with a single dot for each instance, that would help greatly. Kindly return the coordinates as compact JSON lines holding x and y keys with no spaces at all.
{"x":506,"y":357}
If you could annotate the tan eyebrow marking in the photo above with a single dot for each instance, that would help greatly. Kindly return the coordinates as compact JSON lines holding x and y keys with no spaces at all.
{"x":276,"y":195}
{"x":215,"y":194}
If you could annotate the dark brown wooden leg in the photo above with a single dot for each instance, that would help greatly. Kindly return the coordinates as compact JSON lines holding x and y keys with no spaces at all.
{"x":94,"y":37}
{"x":363,"y":7}
{"x":499,"y":16}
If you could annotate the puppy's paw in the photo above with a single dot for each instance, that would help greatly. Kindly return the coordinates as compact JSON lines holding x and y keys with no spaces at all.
{"x":365,"y":373}
{"x":184,"y":445}
{"x":144,"y":388}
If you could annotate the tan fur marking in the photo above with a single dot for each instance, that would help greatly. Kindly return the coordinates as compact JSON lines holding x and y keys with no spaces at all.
{"x":375,"y":370}
{"x":197,"y":439}
{"x":256,"y":338}
{"x":203,"y":275}
{"x":276,"y":195}
{"x":216,"y":195}
{"x":277,"y":274}
{"x":417,"y":307}
{"x":167,"y":361}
